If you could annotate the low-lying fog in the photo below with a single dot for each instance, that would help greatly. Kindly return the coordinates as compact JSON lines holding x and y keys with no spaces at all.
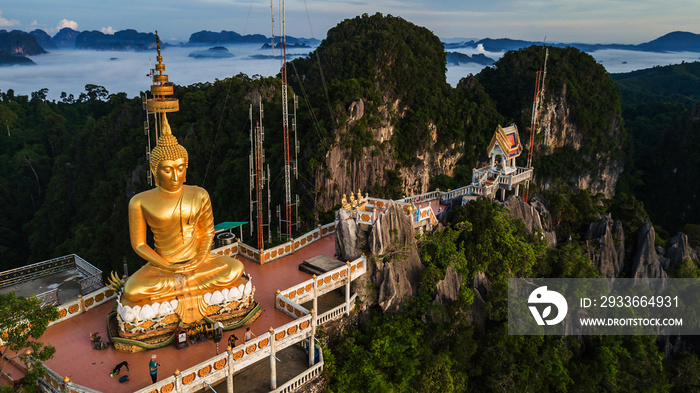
{"x":126,"y":71}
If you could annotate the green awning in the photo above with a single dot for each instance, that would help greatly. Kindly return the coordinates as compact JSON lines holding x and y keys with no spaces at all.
{"x":228,"y":225}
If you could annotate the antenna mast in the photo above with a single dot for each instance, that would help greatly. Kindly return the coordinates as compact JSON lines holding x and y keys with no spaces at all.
{"x":539,"y":89}
{"x":285,"y":125}
{"x":258,"y":178}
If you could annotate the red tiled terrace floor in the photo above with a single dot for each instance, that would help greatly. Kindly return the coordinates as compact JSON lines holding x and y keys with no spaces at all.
{"x":76,"y":359}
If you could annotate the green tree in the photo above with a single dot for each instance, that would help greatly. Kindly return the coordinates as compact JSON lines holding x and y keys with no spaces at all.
{"x":22,"y":322}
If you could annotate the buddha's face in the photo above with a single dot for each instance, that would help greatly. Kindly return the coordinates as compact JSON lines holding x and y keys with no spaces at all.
{"x":170,"y":174}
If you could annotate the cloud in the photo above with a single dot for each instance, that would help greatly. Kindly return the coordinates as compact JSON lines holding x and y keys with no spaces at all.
{"x":67,"y":23}
{"x":107,"y":30}
{"x":7,"y":22}
{"x":34,"y":23}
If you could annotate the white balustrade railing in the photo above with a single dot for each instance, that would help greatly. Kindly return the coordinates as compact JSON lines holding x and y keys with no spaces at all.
{"x":297,"y":382}
{"x":336,"y":312}
{"x":49,"y":298}
{"x":229,"y":249}
{"x":326,"y":282}
{"x":289,"y":307}
{"x":84,"y":303}
{"x":41,"y":269}
{"x":278,"y":251}
{"x":428,"y":196}
{"x":53,"y":383}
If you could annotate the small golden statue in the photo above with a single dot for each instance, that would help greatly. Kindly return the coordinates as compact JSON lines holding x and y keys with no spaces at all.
{"x":360,"y":200}
{"x":180,"y":265}
{"x":344,"y":203}
{"x":353,"y":202}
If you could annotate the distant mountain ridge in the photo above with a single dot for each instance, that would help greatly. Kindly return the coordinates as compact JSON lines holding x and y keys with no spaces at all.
{"x":206,"y":37}
{"x":20,"y":43}
{"x":121,"y":40}
{"x":677,"y":41}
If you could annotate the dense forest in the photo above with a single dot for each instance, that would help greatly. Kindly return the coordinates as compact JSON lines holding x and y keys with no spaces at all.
{"x":660,"y":107}
{"x":68,"y":169}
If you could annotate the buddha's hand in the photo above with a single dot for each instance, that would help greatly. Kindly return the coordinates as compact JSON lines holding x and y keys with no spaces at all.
{"x":190,"y":265}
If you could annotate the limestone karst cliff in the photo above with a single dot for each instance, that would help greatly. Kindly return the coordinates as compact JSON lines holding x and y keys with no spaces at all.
{"x":580,"y":138}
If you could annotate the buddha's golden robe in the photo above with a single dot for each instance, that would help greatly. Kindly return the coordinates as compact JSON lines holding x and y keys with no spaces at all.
{"x":183,"y":231}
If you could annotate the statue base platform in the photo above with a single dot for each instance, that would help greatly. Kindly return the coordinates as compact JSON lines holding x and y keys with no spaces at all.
{"x":130,"y":334}
{"x":165,"y":335}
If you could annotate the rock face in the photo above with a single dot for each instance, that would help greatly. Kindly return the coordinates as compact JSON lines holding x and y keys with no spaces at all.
{"x":348,"y":237}
{"x":447,"y":289}
{"x":481,"y":286}
{"x":647,"y":263}
{"x":606,"y":246}
{"x":341,"y":173}
{"x":393,"y":228}
{"x":534,"y":215}
{"x":397,"y":264}
{"x":560,"y":131}
{"x":397,"y":277}
{"x":678,"y":250}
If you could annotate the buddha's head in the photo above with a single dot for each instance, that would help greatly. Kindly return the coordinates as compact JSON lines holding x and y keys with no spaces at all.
{"x":168,"y":160}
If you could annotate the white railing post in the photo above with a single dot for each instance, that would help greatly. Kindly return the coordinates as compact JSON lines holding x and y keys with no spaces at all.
{"x":177,"y":383}
{"x":273,"y":366}
{"x":347,"y":286}
{"x":315,"y":303}
{"x":312,"y":344}
{"x":229,"y":374}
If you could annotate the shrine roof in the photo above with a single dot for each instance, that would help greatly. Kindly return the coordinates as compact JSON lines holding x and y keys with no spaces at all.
{"x":508,"y":139}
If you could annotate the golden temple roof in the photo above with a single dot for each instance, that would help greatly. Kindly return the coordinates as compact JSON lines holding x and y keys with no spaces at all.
{"x":508,"y":139}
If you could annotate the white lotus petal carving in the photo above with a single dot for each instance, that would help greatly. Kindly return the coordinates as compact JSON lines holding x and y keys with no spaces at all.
{"x":137,"y":311}
{"x":174,"y":303}
{"x":234,"y":294}
{"x":165,"y":309}
{"x":248,"y":288}
{"x":207,"y":298}
{"x":147,"y":313}
{"x":217,"y":297}
{"x":224,"y":292}
{"x":128,"y":315}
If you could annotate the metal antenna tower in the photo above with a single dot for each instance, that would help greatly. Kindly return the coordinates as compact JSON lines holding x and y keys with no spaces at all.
{"x":539,"y":89}
{"x":285,"y":126}
{"x":258,"y":178}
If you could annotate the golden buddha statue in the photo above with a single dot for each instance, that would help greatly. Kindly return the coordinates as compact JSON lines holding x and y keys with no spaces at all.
{"x":180,"y":265}
{"x":344,"y":203}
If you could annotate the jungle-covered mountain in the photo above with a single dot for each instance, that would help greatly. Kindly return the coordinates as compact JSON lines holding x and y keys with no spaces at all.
{"x":376,"y":113}
{"x":660,"y":107}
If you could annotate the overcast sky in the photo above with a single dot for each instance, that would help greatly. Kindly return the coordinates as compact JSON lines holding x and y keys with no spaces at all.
{"x":589,"y":21}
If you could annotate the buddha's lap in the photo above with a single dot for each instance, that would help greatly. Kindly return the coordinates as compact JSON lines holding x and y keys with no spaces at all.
{"x":217,"y":272}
